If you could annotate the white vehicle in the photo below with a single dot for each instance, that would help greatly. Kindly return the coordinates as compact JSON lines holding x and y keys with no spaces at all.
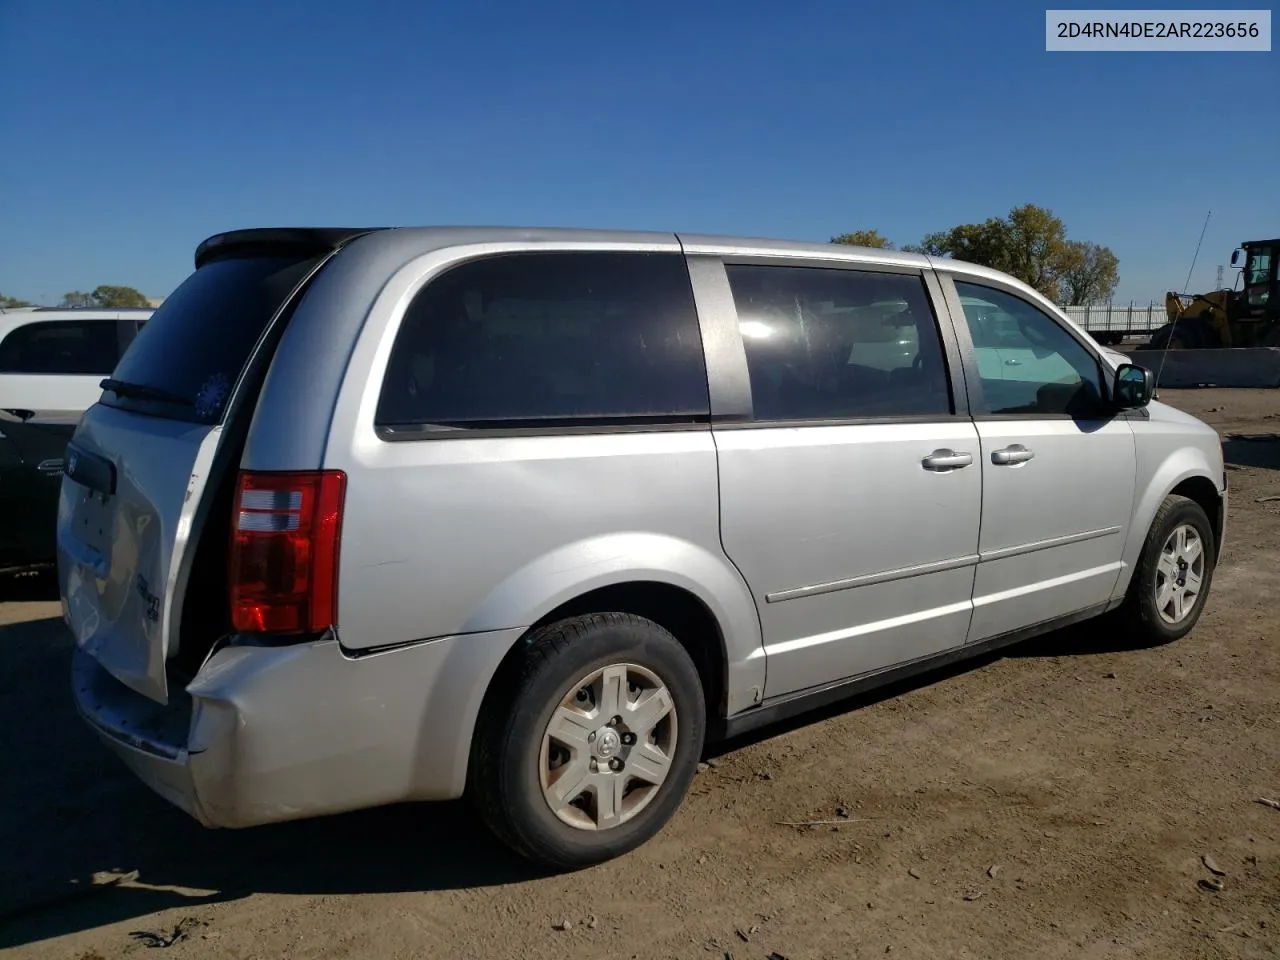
{"x":53,"y":360}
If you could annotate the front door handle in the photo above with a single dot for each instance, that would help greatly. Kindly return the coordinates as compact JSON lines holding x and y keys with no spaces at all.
{"x":946,"y":460}
{"x":1012,"y":454}
{"x":1014,"y":363}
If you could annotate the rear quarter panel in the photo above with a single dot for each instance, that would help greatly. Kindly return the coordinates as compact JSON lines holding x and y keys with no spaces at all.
{"x":452,"y":536}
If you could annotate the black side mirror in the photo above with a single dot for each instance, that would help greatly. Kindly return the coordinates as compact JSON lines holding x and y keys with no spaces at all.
{"x":1235,"y":257}
{"x":1133,"y":386}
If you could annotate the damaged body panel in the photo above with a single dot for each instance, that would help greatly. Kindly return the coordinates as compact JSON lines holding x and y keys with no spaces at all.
{"x":255,"y":738}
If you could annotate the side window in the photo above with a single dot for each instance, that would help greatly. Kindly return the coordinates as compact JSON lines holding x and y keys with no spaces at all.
{"x":1259,"y":268}
{"x":83,"y":347}
{"x":828,"y":344}
{"x":1027,"y":362}
{"x":531,"y":339}
{"x":990,"y":327}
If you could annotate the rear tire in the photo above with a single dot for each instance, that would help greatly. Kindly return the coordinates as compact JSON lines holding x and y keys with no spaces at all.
{"x":567,"y":751}
{"x":1174,"y":573}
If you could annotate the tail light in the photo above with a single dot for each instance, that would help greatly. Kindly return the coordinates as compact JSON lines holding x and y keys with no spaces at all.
{"x":286,"y":530}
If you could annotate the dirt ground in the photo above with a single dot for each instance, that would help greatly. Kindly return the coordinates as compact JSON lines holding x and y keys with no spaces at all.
{"x":1060,"y":801}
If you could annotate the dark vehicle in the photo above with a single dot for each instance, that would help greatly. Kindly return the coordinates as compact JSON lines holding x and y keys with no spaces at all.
{"x":32,"y":448}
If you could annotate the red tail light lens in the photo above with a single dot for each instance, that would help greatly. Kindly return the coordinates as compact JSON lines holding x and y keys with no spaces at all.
{"x":286,"y":531}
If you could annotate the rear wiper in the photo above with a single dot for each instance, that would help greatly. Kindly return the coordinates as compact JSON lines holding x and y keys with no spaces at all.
{"x":140,"y":391}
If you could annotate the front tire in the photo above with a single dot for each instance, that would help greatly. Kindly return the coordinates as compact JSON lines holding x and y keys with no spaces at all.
{"x":1175,"y":570}
{"x":590,"y":742}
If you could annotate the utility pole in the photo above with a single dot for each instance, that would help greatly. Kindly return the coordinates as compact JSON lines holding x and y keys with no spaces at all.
{"x":1219,"y":286}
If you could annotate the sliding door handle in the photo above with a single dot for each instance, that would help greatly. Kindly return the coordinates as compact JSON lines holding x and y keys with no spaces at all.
{"x":1013,"y":454}
{"x":946,"y":460}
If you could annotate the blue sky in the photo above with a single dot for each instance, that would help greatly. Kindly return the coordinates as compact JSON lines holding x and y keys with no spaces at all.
{"x":135,"y":129}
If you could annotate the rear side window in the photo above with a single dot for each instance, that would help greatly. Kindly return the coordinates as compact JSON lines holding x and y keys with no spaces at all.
{"x":549,"y":339}
{"x":75,"y":347}
{"x":836,"y":344}
{"x":194,"y":347}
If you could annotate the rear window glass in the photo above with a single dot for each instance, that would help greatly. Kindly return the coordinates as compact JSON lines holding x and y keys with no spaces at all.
{"x":549,"y":338}
{"x":198,"y":341}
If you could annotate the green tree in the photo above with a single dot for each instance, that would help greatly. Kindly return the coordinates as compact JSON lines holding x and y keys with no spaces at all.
{"x":105,"y":297}
{"x":986,"y":243}
{"x":1036,"y":243}
{"x":1030,"y":243}
{"x":11,"y":303}
{"x":1089,"y":274}
{"x":864,"y":238}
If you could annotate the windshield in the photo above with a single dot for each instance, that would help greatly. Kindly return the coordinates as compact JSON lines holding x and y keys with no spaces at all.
{"x":200,"y":339}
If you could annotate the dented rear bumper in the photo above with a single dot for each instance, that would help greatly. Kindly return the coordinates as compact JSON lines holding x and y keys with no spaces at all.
{"x":265,"y":734}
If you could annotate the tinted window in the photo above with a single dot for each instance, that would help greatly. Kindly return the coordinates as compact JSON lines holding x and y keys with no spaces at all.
{"x":1028,"y":363}
{"x":85,"y":347}
{"x":1259,"y":267}
{"x":533,"y":338}
{"x":990,"y":327}
{"x":199,"y":340}
{"x":839,"y":344}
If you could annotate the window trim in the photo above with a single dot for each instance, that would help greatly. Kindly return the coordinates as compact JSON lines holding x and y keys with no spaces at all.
{"x":977,"y":400}
{"x":562,"y":426}
{"x":732,"y":407}
{"x":570,"y":427}
{"x":117,"y":336}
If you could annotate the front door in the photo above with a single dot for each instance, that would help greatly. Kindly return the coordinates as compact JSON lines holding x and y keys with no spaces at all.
{"x":849,"y":500}
{"x":1058,"y":471}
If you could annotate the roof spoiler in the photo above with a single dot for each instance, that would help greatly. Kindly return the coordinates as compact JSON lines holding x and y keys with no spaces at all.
{"x":274,"y":241}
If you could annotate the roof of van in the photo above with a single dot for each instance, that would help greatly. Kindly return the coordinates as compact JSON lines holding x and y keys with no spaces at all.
{"x":92,"y":313}
{"x":45,"y":314}
{"x":425,"y":238}
{"x":404,"y":243}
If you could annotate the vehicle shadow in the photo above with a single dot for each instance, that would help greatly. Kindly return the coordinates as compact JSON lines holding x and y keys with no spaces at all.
{"x":1252,"y":450}
{"x":86,"y":844}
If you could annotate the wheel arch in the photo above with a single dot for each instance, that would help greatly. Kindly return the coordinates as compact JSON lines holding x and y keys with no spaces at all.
{"x":678,"y":611}
{"x":1204,"y":492}
{"x":1187,"y":473}
{"x":692,"y":591}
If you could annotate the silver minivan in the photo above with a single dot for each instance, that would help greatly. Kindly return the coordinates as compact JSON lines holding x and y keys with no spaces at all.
{"x":529,"y":516}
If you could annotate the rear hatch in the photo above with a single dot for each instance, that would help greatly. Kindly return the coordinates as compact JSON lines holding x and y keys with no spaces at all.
{"x":146,"y":460}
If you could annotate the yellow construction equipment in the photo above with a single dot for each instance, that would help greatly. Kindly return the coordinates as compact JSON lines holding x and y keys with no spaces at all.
{"x":1249,"y":317}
